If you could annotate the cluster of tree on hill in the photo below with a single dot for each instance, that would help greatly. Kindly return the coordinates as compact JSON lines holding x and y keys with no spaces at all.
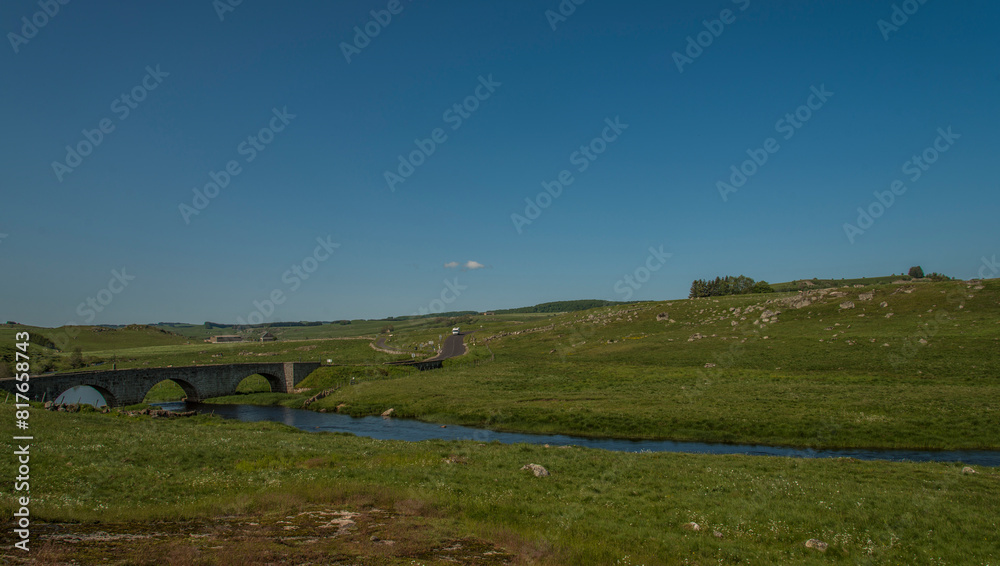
{"x":917,"y":272}
{"x":727,"y":285}
{"x":430,"y":315}
{"x":564,"y":306}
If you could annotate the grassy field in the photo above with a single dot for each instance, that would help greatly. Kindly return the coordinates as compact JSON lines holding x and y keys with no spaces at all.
{"x":111,"y":489}
{"x":818,"y":376}
{"x":912,"y":365}
{"x":788,"y":369}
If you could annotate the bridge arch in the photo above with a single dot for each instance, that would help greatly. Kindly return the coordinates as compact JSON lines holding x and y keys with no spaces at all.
{"x":109,"y":398}
{"x":274,"y":382}
{"x":190,"y":391}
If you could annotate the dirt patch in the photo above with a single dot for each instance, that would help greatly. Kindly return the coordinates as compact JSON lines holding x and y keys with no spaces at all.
{"x":317,"y":535}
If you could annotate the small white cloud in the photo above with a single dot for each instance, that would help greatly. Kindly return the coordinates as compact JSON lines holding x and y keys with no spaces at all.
{"x":473,"y":265}
{"x":451,"y":264}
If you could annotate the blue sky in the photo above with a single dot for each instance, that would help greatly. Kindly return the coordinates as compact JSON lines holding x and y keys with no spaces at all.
{"x":344,"y":124}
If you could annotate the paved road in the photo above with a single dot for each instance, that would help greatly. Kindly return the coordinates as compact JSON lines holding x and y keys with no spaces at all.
{"x":454,"y":345}
{"x":380,"y":345}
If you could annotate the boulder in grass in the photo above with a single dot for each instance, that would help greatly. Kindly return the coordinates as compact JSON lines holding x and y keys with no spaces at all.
{"x":816,"y":544}
{"x":539,"y":471}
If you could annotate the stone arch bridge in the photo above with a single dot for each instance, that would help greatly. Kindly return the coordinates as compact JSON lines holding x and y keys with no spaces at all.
{"x":129,"y":386}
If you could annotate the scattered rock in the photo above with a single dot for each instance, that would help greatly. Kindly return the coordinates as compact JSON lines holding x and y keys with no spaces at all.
{"x":697,"y":336}
{"x":388,"y":413}
{"x":692,"y":527}
{"x":709,"y":365}
{"x":884,"y":304}
{"x":717,"y":534}
{"x":662,"y":317}
{"x":539,"y":471}
{"x":847,"y":305}
{"x":817,"y":544}
{"x":866,"y":296}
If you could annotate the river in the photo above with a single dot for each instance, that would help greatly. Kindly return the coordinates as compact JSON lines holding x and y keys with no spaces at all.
{"x":412,"y":430}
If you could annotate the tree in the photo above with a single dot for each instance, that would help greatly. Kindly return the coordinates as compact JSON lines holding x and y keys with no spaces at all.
{"x":916,"y":272}
{"x":762,"y":287}
{"x":76,"y":358}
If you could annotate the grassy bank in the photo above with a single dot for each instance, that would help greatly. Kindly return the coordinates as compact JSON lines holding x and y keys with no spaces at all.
{"x":196,"y":476}
{"x":902,"y":366}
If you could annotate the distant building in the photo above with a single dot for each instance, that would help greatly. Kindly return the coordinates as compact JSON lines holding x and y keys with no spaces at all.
{"x":489,"y":313}
{"x":226,"y":338}
{"x":267,"y":337}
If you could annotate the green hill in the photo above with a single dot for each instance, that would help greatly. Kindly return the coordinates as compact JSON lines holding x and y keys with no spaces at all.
{"x":816,"y":283}
{"x":911,"y":365}
{"x":562,"y":306}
